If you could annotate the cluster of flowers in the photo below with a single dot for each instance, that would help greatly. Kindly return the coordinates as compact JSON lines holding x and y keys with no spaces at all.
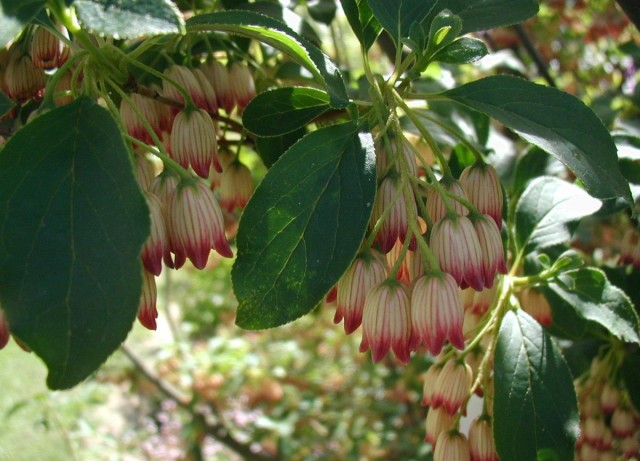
{"x":186,"y":216}
{"x":609,"y":422}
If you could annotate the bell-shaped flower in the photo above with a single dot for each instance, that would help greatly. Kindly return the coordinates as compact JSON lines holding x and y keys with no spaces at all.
{"x":395,"y":225}
{"x":481,"y":443}
{"x":208,"y":93}
{"x":366,"y":272}
{"x":241,"y":85}
{"x":195,"y":224}
{"x":453,"y":386}
{"x":236,"y":186}
{"x":438,"y":421}
{"x":435,"y":203}
{"x":450,"y":446}
{"x":157,"y":243}
{"x":482,"y":184}
{"x":534,"y":303}
{"x":148,"y":109}
{"x":429,"y":384}
{"x":47,"y":50}
{"x":185,"y":78}
{"x":386,"y":322}
{"x":491,"y":247}
{"x":193,"y":141}
{"x":436,"y":312}
{"x":455,"y":246}
{"x":218,"y":76}
{"x":22,"y":80}
{"x":623,"y":423}
{"x":147,"y":311}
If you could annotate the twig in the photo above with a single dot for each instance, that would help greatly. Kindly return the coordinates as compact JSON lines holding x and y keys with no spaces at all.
{"x":533,"y":52}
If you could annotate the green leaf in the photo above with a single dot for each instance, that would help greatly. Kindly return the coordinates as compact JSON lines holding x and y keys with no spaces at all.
{"x":271,"y":148}
{"x":535,"y":409}
{"x":129,"y":18}
{"x":363,"y":23}
{"x":594,"y":298}
{"x":14,"y":15}
{"x":487,"y":14}
{"x":73,"y":225}
{"x":554,"y":121}
{"x":278,"y":35}
{"x":286,"y":16}
{"x":303,"y":226}
{"x":283,"y":110}
{"x":6,"y":104}
{"x":630,"y":371}
{"x":444,"y":29}
{"x":545,"y":208}
{"x":465,"y":50}
{"x":534,"y":163}
{"x":396,"y":17}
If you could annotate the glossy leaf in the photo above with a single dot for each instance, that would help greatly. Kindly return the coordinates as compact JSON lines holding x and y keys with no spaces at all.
{"x":6,"y":104}
{"x":396,"y":17}
{"x":465,"y":50}
{"x":283,"y":110}
{"x":363,"y":23}
{"x":14,"y":15}
{"x":545,"y":208}
{"x":129,"y":18}
{"x":303,"y":226}
{"x":595,"y":299}
{"x":271,"y":148}
{"x":487,"y":14}
{"x":554,"y":121}
{"x":70,"y":252}
{"x":278,"y":35}
{"x":535,"y":408}
{"x":534,"y":163}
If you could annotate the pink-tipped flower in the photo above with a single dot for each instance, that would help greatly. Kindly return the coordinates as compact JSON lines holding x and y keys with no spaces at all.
{"x":481,"y":444}
{"x":455,"y":246}
{"x":435,"y":202}
{"x":145,"y":171}
{"x":193,"y":141}
{"x":482,"y":184}
{"x":241,"y":85}
{"x":396,"y":224}
{"x":184,"y":77}
{"x":22,"y":79}
{"x":147,"y":311}
{"x":451,"y":446}
{"x":436,"y":312}
{"x":593,"y":431}
{"x":225,"y":158}
{"x":236,"y":186}
{"x":366,"y":272}
{"x":134,"y":125}
{"x":218,"y":75}
{"x":157,"y":243}
{"x":630,"y":447}
{"x":196,"y":224}
{"x":491,"y":246}
{"x":386,"y":322}
{"x":5,"y":334}
{"x":609,"y":398}
{"x":536,"y":305}
{"x":208,"y":93}
{"x":438,"y":421}
{"x":47,"y":50}
{"x":622,"y":422}
{"x":429,"y":384}
{"x":331,"y":298}
{"x":453,"y":387}
{"x":387,"y":156}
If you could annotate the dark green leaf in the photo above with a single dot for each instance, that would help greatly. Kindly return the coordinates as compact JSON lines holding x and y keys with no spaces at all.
{"x":556,"y":122}
{"x":303,"y":226}
{"x":283,"y":110}
{"x":322,"y":10}
{"x":396,"y":17}
{"x":630,"y":169}
{"x":444,"y":29}
{"x":630,"y":371}
{"x":363,"y":23}
{"x":6,"y":104}
{"x":271,"y":149}
{"x":465,"y":50}
{"x":285,"y":15}
{"x":534,"y":163}
{"x":545,"y":208}
{"x":535,"y":409}
{"x":594,"y":298}
{"x":276,"y":34}
{"x":129,"y":18}
{"x":487,"y":14}
{"x":73,"y":225}
{"x":14,"y":15}
{"x":565,"y":321}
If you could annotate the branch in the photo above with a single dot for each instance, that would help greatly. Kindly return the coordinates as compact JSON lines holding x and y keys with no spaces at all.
{"x":215,"y":429}
{"x":533,"y":52}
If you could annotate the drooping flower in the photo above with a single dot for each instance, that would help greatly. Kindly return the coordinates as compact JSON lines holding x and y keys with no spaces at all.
{"x":134,"y":125}
{"x":438,"y":421}
{"x":455,"y":246}
{"x":195,"y":224}
{"x":436,"y":312}
{"x":396,"y":225}
{"x":536,"y":305}
{"x":241,"y":85}
{"x":451,"y":446}
{"x":481,"y":444}
{"x":622,"y":422}
{"x":366,"y":272}
{"x":482,"y":184}
{"x":47,"y":50}
{"x":22,"y":80}
{"x":184,"y":77}
{"x":429,"y":384}
{"x":157,"y":243}
{"x":208,"y":93}
{"x":193,"y":141}
{"x":491,"y":246}
{"x":218,"y":75}
{"x":453,"y":386}
{"x":609,"y":397}
{"x":236,"y":186}
{"x":147,"y":311}
{"x":435,"y":203}
{"x":389,"y":155}
{"x":386,"y":322}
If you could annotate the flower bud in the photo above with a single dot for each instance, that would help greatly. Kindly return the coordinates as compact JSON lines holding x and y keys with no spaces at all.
{"x":435,"y":203}
{"x":436,"y":312}
{"x":438,"y":421}
{"x":456,"y":247}
{"x":609,"y":398}
{"x":386,"y":321}
{"x":429,"y":385}
{"x":481,"y":444}
{"x":366,"y":272}
{"x":147,"y":311}
{"x":492,"y":249}
{"x":218,"y":75}
{"x":196,"y":224}
{"x":236,"y":186}
{"x":47,"y":50}
{"x":241,"y":85}
{"x":193,"y":141}
{"x":536,"y":305}
{"x":484,"y":190}
{"x":453,"y":386}
{"x":157,"y":243}
{"x":451,"y":446}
